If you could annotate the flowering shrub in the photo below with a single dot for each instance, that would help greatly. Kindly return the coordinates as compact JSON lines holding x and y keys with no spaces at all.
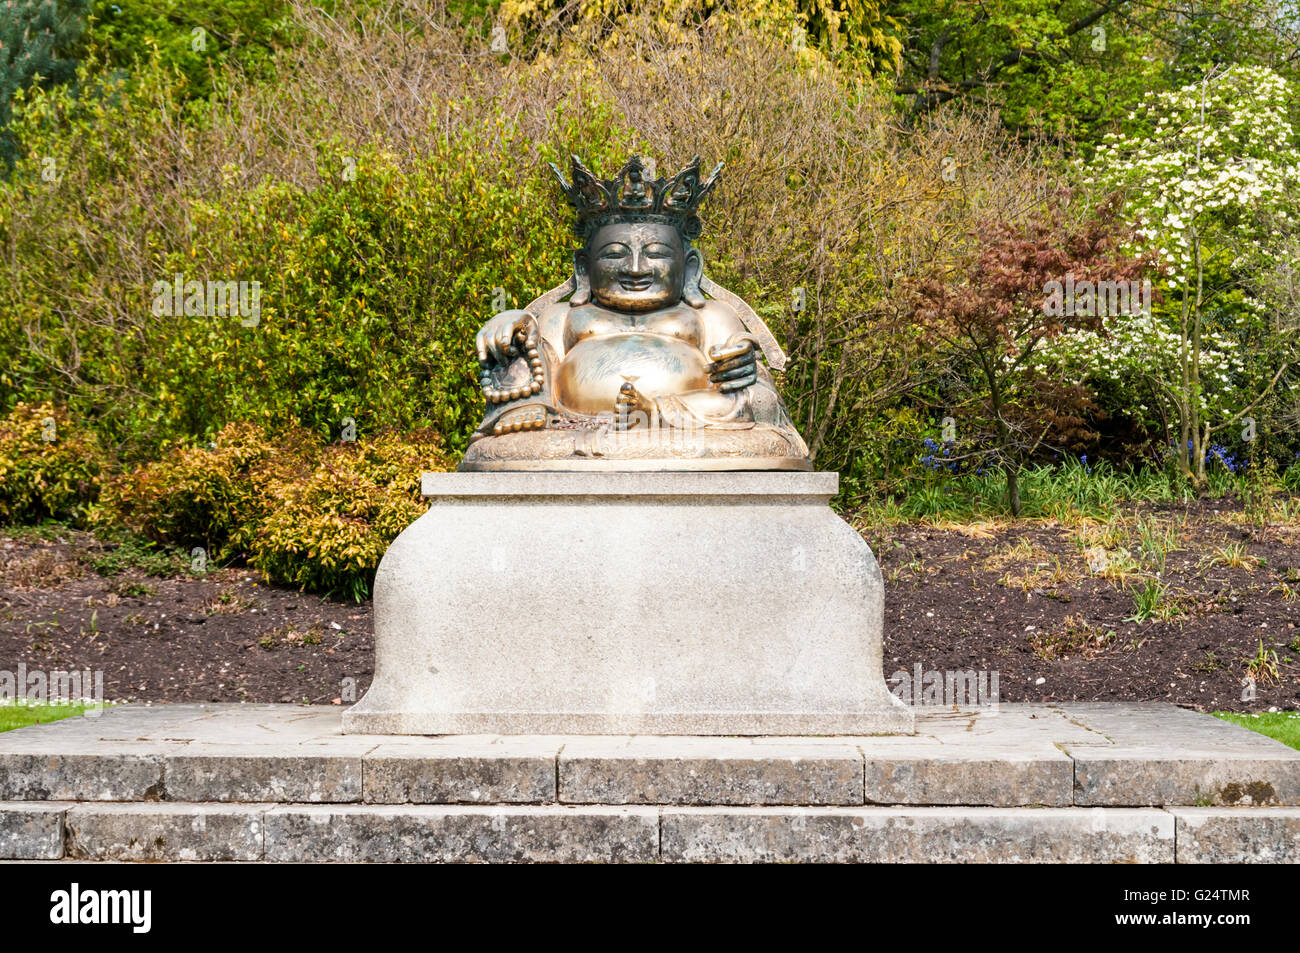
{"x":939,"y":456}
{"x":1124,"y":366}
{"x":1220,"y":147}
{"x":1220,"y":455}
{"x":1212,"y":174}
{"x":50,"y":466}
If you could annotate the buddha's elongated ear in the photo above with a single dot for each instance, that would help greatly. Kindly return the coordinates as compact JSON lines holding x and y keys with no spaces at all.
{"x":582,"y":294}
{"x":693,"y":272}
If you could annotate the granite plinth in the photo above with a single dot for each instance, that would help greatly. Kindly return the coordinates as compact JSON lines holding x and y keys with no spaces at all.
{"x":676,"y":603}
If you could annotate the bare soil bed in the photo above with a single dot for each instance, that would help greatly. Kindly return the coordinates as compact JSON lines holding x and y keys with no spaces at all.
{"x":1051,"y":608}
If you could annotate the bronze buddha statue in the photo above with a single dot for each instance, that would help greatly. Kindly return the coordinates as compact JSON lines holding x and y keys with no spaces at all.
{"x":637,"y":369}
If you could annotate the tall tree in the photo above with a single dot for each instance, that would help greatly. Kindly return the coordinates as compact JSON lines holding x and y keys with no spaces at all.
{"x":1076,"y":67}
{"x":1214,"y":171}
{"x":36,"y":38}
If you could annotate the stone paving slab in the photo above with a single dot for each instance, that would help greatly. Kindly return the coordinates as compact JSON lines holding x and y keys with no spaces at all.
{"x":1015,"y":755}
{"x":1237,"y":835}
{"x":473,"y":771}
{"x":1006,"y":778}
{"x":916,"y":835}
{"x":95,"y":771}
{"x":1143,"y":777}
{"x":165,"y":832}
{"x":659,"y":770}
{"x":31,"y":830}
{"x":1158,"y":754}
{"x":604,"y":833}
{"x":262,"y":772}
{"x":424,"y":833}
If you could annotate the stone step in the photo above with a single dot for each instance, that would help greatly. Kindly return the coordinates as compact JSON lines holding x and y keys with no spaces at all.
{"x":603,"y":833}
{"x":1055,"y":756}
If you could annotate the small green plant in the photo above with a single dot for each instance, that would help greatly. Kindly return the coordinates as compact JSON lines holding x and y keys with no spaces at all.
{"x":1149,"y":601}
{"x":289,"y":634}
{"x":228,"y":601}
{"x":1208,"y":665}
{"x":1234,"y":556}
{"x":1157,"y":540}
{"x":123,"y":552}
{"x":1109,"y":536}
{"x":133,"y":589}
{"x":1075,"y":638}
{"x":1264,"y":666}
{"x":48,"y":531}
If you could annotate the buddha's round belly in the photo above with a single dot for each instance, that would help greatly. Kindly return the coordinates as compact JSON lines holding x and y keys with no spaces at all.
{"x":595,"y":368}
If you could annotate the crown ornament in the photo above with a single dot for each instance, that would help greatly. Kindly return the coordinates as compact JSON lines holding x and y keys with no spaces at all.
{"x":631,"y":197}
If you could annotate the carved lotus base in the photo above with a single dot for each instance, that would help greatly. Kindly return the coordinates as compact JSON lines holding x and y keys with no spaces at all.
{"x":753,"y":447}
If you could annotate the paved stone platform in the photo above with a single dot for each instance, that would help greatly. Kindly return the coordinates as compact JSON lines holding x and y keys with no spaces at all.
{"x":1020,"y":783}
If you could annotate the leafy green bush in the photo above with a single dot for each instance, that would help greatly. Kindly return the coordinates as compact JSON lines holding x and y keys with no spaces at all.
{"x":195,"y":38}
{"x":374,"y":269}
{"x":301,"y":512}
{"x":50,"y":465}
{"x":330,"y":531}
{"x":214,"y":496}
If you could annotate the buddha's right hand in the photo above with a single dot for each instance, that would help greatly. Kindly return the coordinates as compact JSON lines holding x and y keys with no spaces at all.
{"x":497,"y":338}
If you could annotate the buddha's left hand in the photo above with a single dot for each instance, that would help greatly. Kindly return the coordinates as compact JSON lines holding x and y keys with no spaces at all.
{"x":735,"y":364}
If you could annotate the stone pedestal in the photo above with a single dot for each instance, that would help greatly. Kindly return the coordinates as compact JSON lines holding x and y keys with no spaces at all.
{"x":728,"y":603}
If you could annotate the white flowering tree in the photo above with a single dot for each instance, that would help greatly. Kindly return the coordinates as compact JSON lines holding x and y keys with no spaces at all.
{"x":1205,"y":167}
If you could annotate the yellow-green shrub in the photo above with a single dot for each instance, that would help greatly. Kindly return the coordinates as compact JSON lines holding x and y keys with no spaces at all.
{"x":50,"y":465}
{"x":215,"y":495}
{"x":312,"y":515}
{"x":329,"y":531}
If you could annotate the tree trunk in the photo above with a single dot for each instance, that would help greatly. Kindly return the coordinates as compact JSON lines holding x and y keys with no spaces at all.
{"x":1200,"y":439}
{"x":1010,"y":460}
{"x":1184,"y":394}
{"x":1012,"y":470}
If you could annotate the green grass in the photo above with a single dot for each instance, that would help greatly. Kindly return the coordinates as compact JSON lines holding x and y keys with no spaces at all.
{"x":36,"y":713}
{"x":1281,"y":725}
{"x":124,"y":552}
{"x":1068,"y":490}
{"x":1149,"y":601}
{"x":47,"y":531}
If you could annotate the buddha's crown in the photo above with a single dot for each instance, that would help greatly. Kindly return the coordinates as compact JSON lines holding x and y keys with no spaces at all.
{"x":631,"y":197}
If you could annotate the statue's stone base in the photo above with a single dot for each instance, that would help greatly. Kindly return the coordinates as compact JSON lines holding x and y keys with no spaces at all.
{"x":729,"y":603}
{"x":755,"y":447}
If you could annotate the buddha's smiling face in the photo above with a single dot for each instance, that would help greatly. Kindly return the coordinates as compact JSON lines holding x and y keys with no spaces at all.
{"x":636,"y":266}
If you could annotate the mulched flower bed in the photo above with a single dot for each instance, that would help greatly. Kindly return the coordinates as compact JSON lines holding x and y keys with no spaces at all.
{"x":1049,"y":607}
